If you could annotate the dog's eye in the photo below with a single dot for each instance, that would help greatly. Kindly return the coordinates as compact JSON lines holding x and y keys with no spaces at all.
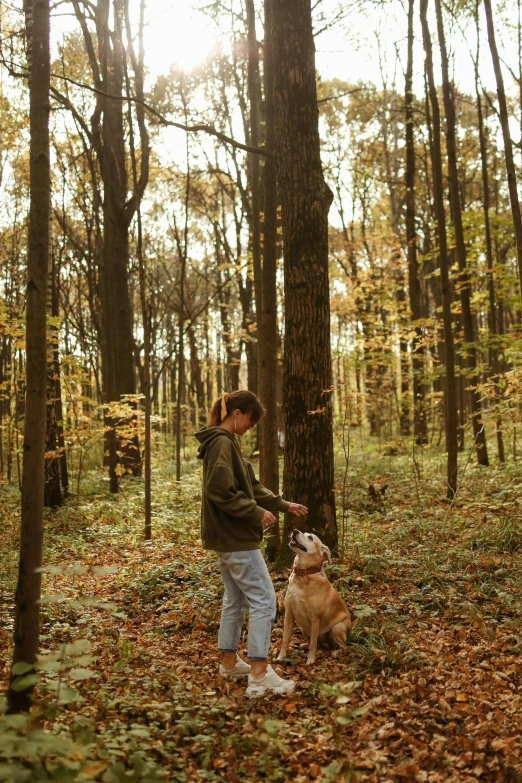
{"x":310,"y":537}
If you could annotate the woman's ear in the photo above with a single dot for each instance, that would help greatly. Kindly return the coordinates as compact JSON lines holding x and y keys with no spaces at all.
{"x":326,"y":553}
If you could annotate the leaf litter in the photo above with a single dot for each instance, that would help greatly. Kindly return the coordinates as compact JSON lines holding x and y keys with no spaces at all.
{"x":428,"y":689}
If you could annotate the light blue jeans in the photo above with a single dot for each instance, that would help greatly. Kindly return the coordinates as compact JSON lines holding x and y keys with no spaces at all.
{"x":247,"y":586}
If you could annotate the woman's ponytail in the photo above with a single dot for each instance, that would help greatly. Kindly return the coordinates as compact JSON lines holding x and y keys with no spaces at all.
{"x":245,"y":401}
{"x":219,"y":411}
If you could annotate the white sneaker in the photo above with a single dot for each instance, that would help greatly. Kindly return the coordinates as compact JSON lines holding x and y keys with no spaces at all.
{"x":241,"y":669}
{"x":271,"y":682}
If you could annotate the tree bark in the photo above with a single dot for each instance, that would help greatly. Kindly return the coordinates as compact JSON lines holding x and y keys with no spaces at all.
{"x":508,"y":146}
{"x":420,"y":430}
{"x":492,"y":319}
{"x":450,"y":391}
{"x":28,"y":591}
{"x":108,"y":139}
{"x":392,"y":176}
{"x":267,"y":346}
{"x":470,"y":353}
{"x":138,"y":65}
{"x":119,"y":376}
{"x":254,"y":96}
{"x":305,"y":200}
{"x":196,"y":375}
{"x":52,"y":488}
{"x":58,"y":407}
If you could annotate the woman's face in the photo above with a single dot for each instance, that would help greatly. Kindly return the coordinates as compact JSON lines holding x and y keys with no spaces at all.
{"x":242,"y":422}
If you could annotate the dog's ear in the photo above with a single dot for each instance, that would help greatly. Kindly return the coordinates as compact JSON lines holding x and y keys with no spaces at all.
{"x":326,"y":553}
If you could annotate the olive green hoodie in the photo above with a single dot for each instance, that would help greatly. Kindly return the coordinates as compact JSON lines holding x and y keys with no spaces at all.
{"x":233,"y":501}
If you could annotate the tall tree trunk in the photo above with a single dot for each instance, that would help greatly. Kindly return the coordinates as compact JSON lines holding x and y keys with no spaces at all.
{"x":197,"y":377}
{"x":182,"y":252}
{"x":117,"y":310}
{"x":254,"y":96}
{"x":52,"y":488}
{"x":420,"y":430}
{"x":508,"y":146}
{"x":450,"y":391}
{"x":267,"y":346}
{"x":138,"y":66}
{"x":58,"y":407}
{"x":28,"y":591}
{"x":395,"y":259}
{"x":470,"y":354}
{"x":107,"y":61}
{"x":305,"y":200}
{"x":492,"y":319}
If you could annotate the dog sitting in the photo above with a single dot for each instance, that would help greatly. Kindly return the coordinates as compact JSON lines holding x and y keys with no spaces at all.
{"x":311,"y":601}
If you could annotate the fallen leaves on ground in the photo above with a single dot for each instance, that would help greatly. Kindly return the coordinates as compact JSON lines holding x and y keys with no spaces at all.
{"x":433,"y":662}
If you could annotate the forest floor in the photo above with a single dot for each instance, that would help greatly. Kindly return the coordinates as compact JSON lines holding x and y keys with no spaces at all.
{"x":429,"y":687}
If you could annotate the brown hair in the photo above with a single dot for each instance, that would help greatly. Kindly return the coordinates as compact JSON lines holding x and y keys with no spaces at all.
{"x":245,"y":401}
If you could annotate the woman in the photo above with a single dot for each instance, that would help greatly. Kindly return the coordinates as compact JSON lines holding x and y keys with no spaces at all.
{"x":235,"y":509}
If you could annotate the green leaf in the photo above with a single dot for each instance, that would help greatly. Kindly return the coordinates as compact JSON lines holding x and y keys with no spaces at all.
{"x":101,"y":570}
{"x":273,"y":727}
{"x":66,"y":695}
{"x":49,"y":664}
{"x":22,"y":683}
{"x":141,"y":732}
{"x":21,"y":668}
{"x":81,"y":674}
{"x":359,"y":711}
{"x":77,"y":647}
{"x":362,"y":610}
{"x":89,"y":601}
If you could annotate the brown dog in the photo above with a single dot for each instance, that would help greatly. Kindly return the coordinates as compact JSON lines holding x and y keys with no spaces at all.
{"x":311,"y":601}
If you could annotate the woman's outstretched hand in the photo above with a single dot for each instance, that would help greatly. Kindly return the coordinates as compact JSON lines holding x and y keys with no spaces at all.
{"x":267,"y":519}
{"x":297,"y":510}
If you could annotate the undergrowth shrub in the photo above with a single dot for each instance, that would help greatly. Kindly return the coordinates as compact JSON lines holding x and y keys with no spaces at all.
{"x":377,"y":646}
{"x":502,"y":535}
{"x":198,"y":579}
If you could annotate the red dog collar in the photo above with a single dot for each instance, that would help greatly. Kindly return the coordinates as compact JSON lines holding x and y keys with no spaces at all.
{"x":305,"y":571}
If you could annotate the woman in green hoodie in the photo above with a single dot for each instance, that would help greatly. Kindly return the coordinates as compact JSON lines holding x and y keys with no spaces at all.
{"x":235,"y":508}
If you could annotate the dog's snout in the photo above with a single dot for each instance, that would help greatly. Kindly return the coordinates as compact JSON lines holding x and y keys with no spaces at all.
{"x":295,"y":531}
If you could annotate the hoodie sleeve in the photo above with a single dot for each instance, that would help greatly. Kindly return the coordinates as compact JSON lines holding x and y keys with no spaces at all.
{"x":263,"y":496}
{"x":222,"y":491}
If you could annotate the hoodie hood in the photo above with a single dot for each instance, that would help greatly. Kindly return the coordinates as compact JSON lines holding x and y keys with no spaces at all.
{"x":207,"y":435}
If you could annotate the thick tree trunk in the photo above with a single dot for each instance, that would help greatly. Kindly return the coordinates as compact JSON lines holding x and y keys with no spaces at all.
{"x":27,"y":611}
{"x":305,"y":200}
{"x":267,"y":346}
{"x":107,"y":61}
{"x":470,"y":354}
{"x":414,"y":288}
{"x":119,"y":375}
{"x":450,"y":390}
{"x":508,"y":146}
